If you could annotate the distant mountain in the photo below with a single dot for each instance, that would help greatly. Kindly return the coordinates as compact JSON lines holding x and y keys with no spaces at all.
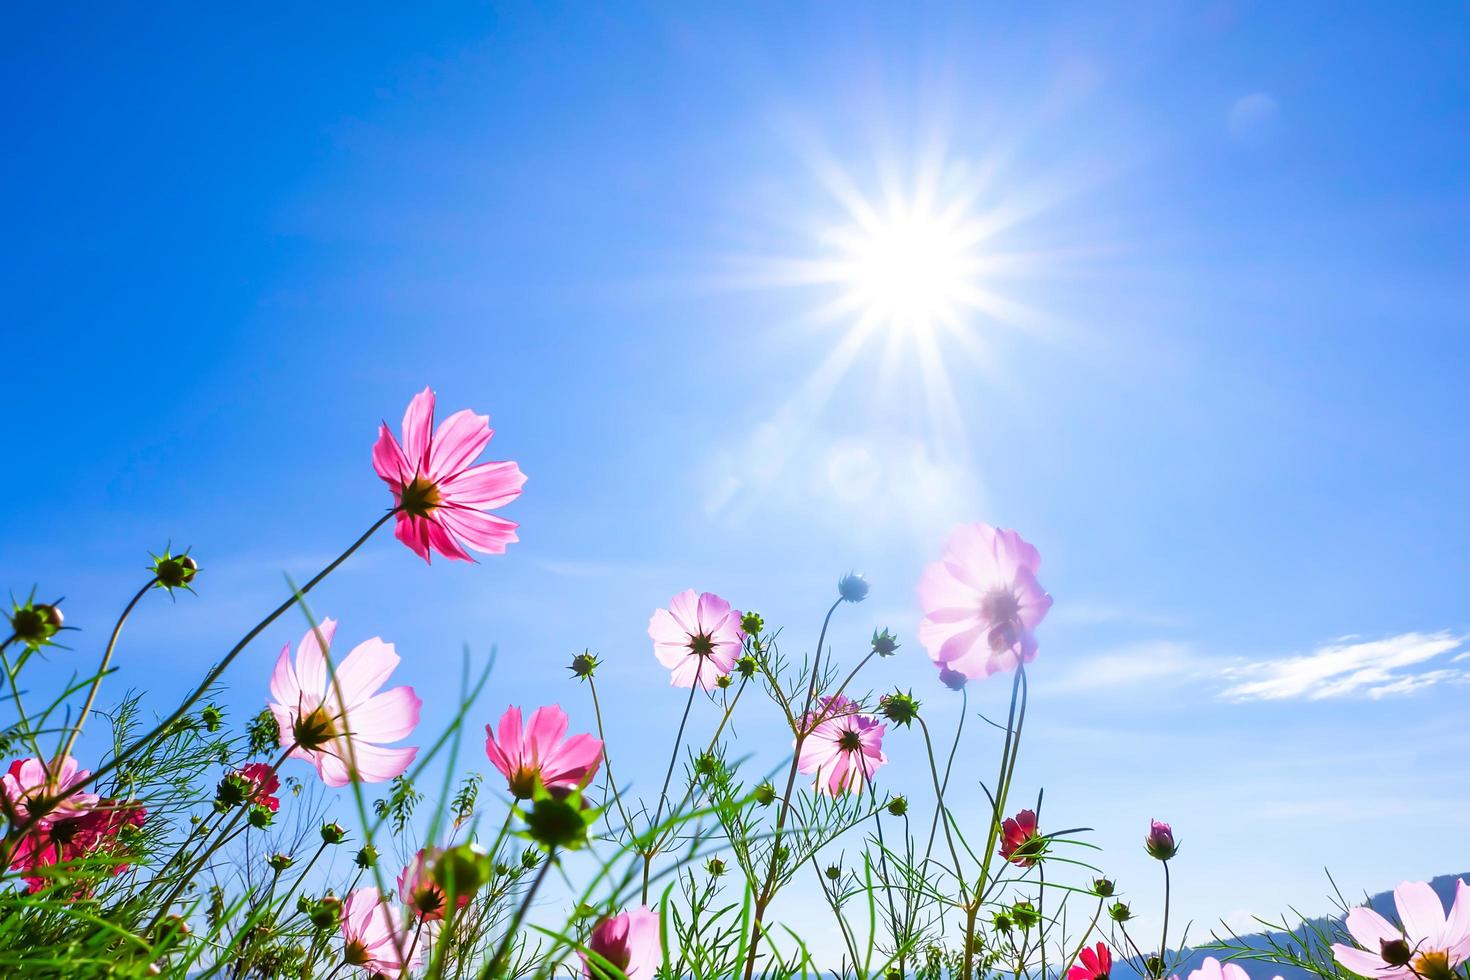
{"x":1444,"y":887}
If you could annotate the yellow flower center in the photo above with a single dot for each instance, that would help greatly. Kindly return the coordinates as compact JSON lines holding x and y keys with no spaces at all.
{"x":420,"y":497}
{"x":355,"y":953}
{"x":314,"y":729}
{"x":1433,"y":965}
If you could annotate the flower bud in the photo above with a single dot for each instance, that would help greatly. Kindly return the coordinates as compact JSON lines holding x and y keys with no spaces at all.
{"x":1160,"y":841}
{"x":899,"y":708}
{"x":1119,"y":912}
{"x":1154,"y":965}
{"x":367,"y":857}
{"x":746,"y":666}
{"x":584,"y":664}
{"x":833,"y":872}
{"x":1025,"y":914}
{"x":174,"y":571}
{"x":1002,"y":922}
{"x":332,"y":833}
{"x":279,"y":862}
{"x":463,"y":869}
{"x":898,"y":806}
{"x":751,"y":624}
{"x":852,"y":587}
{"x":1102,"y":888}
{"x":952,"y":679}
{"x":211,"y":716}
{"x":261,"y":817}
{"x":1395,"y":952}
{"x":715,"y":867}
{"x":885,"y":644}
{"x":35,"y":624}
{"x":558,"y":823}
{"x":893,"y":973}
{"x":765,"y":794}
{"x":723,"y":681}
{"x":530,"y":857}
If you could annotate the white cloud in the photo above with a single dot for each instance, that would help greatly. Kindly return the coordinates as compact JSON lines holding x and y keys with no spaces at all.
{"x":1372,"y":669}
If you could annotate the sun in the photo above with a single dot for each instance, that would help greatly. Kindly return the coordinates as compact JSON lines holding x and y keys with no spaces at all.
{"x":909,"y":268}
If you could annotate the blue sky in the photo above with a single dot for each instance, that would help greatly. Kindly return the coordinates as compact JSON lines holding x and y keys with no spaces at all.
{"x":1219,"y":376}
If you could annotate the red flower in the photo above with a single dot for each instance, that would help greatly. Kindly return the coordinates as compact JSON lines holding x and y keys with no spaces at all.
{"x":265,"y":782}
{"x":1095,"y":965}
{"x":63,"y":842}
{"x":1020,"y":844}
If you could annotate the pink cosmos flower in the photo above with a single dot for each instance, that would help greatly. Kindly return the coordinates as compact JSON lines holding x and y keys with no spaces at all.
{"x":1213,"y":969}
{"x":374,"y":936}
{"x":421,"y":895}
{"x":1430,"y":945}
{"x":629,"y":941}
{"x":698,"y":638}
{"x":28,"y":782}
{"x":522,"y":755}
{"x":844,"y":749}
{"x":339,"y":724}
{"x":982,"y":602}
{"x":441,"y":497}
{"x":1096,"y":964}
{"x":1020,"y":844}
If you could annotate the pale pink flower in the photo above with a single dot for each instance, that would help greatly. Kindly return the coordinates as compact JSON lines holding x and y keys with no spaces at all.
{"x":982,"y":602}
{"x":537,"y":751}
{"x":1213,"y":969}
{"x":844,"y":749}
{"x":376,"y":938}
{"x":698,"y":638}
{"x":441,"y":497}
{"x":30,"y":782}
{"x":1429,"y":945}
{"x":629,"y":941}
{"x":340,"y":724}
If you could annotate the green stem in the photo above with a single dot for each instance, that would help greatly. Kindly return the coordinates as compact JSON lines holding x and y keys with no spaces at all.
{"x":768,"y":889}
{"x":607,"y":758}
{"x":102,"y":670}
{"x":664,"y":793}
{"x":496,"y":966}
{"x":1164,"y":939}
{"x":219,"y":669}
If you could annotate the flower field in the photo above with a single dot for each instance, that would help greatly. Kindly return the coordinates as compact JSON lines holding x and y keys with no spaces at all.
{"x":542,"y":862}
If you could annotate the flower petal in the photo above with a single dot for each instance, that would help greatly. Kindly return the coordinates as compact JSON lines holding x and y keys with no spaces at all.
{"x":460,"y":438}
{"x":418,"y":426}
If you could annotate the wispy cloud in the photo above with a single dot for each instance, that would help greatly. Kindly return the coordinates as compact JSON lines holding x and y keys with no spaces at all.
{"x":1349,"y":668}
{"x":1137,"y":665}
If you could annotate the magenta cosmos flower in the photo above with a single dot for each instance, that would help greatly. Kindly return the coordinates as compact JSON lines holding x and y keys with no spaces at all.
{"x":375,"y":937}
{"x":29,"y":782}
{"x":982,"y":602}
{"x":698,"y":638}
{"x":1430,"y":944}
{"x":442,"y":498}
{"x":340,"y":724}
{"x":1020,"y":843}
{"x":629,"y":941}
{"x":844,"y":749}
{"x":536,"y":751}
{"x":1096,"y":964}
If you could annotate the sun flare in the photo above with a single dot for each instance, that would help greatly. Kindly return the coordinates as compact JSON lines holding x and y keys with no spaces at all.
{"x":908,"y":269}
